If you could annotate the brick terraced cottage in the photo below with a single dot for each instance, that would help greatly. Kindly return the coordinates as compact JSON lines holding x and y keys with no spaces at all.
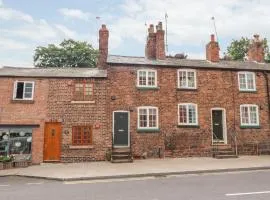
{"x":161,"y":105}
{"x":53,"y":114}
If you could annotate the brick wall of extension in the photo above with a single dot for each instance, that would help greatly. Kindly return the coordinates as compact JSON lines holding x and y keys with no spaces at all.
{"x":62,"y":108}
{"x":16,"y":112}
{"x":215,"y":89}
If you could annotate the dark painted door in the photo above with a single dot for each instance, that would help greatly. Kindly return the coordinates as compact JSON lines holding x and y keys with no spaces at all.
{"x":217,"y":121}
{"x":121,"y":126}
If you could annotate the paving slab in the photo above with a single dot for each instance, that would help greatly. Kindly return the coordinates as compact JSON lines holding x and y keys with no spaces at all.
{"x":139,"y":168}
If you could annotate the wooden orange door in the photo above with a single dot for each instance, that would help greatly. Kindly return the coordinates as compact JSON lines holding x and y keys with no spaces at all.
{"x":52,"y":141}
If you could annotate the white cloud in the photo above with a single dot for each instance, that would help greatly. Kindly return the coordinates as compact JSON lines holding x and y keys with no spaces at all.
{"x":9,"y":44}
{"x":66,"y":31}
{"x":75,"y":13}
{"x":11,"y":14}
{"x":189,"y":22}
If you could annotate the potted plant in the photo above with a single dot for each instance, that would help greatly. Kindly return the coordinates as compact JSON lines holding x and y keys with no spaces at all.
{"x":1,"y":162}
{"x":7,"y":162}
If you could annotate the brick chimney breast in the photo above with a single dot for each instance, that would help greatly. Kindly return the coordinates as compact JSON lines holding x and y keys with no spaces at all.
{"x":256,"y":50}
{"x":155,"y":43}
{"x":212,"y":50}
{"x":103,"y":46}
{"x":160,"y":43}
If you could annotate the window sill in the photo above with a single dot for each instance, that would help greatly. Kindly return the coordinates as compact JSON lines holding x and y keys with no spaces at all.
{"x":81,"y":146}
{"x":248,"y":91}
{"x":250,"y":127}
{"x":22,"y":101}
{"x":141,"y":130}
{"x":147,"y":88}
{"x":83,"y":102}
{"x":187,"y":89}
{"x":188,"y":126}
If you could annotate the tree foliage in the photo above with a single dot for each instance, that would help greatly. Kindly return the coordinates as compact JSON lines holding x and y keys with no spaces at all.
{"x":238,"y":49}
{"x":69,"y":53}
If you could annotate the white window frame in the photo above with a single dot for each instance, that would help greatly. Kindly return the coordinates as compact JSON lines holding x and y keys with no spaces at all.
{"x":15,"y":90}
{"x":147,"y":108}
{"x":196,"y":112}
{"x":147,"y":71}
{"x":178,"y":78}
{"x":254,"y":81}
{"x":257,"y":115}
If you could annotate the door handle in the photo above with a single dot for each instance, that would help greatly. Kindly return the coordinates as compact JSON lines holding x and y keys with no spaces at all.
{"x":121,"y":130}
{"x":216,"y":124}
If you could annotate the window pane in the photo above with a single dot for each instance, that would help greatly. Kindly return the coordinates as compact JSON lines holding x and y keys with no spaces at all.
{"x":242,"y":81}
{"x":244,"y":116}
{"x":142,"y":78}
{"x":82,"y":135}
{"x":152,"y":117}
{"x":88,"y":89}
{"x":151,"y":78}
{"x":183,"y":78}
{"x":191,"y":114}
{"x":183,"y":114}
{"x":191,"y":79}
{"x":142,"y":118}
{"x":19,"y":91}
{"x":79,"y":87}
{"x":250,"y":81}
{"x":253,"y":115}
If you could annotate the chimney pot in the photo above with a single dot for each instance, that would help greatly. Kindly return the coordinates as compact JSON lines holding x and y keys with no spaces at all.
{"x":212,"y":38}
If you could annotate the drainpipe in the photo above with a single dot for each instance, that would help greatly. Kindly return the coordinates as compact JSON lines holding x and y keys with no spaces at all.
{"x":268,"y":95}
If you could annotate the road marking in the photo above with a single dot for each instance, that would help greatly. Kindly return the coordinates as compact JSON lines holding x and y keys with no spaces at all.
{"x":106,"y":181}
{"x":4,"y":185}
{"x":248,"y":193}
{"x":38,"y":183}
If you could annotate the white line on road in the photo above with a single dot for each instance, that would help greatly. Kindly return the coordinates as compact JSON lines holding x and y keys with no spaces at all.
{"x":248,"y":193}
{"x":4,"y":185}
{"x":38,"y":183}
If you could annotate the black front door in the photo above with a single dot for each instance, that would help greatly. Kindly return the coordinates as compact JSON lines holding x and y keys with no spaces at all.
{"x":121,"y":129}
{"x":217,"y":121}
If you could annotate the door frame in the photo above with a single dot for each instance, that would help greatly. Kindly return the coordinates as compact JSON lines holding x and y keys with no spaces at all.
{"x":60,"y":141}
{"x":120,"y":146}
{"x":224,"y":121}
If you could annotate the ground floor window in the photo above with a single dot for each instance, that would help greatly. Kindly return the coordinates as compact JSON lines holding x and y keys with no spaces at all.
{"x":147,"y":117}
{"x":187,"y":114}
{"x":249,"y":115}
{"x":16,"y":142}
{"x":81,"y":135}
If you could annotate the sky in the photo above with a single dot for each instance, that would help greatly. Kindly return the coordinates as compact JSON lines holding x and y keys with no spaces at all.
{"x":26,"y":24}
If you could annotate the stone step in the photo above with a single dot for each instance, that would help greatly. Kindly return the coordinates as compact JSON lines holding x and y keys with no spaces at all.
{"x":122,"y":161}
{"x":225,"y":156}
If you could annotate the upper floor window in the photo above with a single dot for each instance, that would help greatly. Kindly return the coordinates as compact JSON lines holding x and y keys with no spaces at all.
{"x":23,"y":90}
{"x":187,"y":79}
{"x":147,"y":78}
{"x":148,"y":117}
{"x":249,"y":115}
{"x":83,"y":90}
{"x":246,"y":81}
{"x":82,"y":135}
{"x":187,"y":114}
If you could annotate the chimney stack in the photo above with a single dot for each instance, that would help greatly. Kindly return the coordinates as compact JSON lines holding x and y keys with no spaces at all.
{"x":256,"y":50}
{"x":155,"y":44}
{"x":103,"y":46}
{"x":212,"y":50}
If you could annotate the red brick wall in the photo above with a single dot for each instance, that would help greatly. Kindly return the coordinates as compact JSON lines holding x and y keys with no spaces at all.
{"x":216,"y":88}
{"x":23,"y":113}
{"x":62,"y":109}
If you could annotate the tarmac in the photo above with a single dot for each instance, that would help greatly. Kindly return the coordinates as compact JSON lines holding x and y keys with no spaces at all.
{"x":139,"y":168}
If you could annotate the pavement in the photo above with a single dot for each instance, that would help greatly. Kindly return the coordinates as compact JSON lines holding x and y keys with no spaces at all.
{"x":139,"y":168}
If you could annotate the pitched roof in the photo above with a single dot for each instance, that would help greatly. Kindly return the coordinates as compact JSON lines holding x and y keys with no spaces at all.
{"x":53,"y":72}
{"x":174,"y":62}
